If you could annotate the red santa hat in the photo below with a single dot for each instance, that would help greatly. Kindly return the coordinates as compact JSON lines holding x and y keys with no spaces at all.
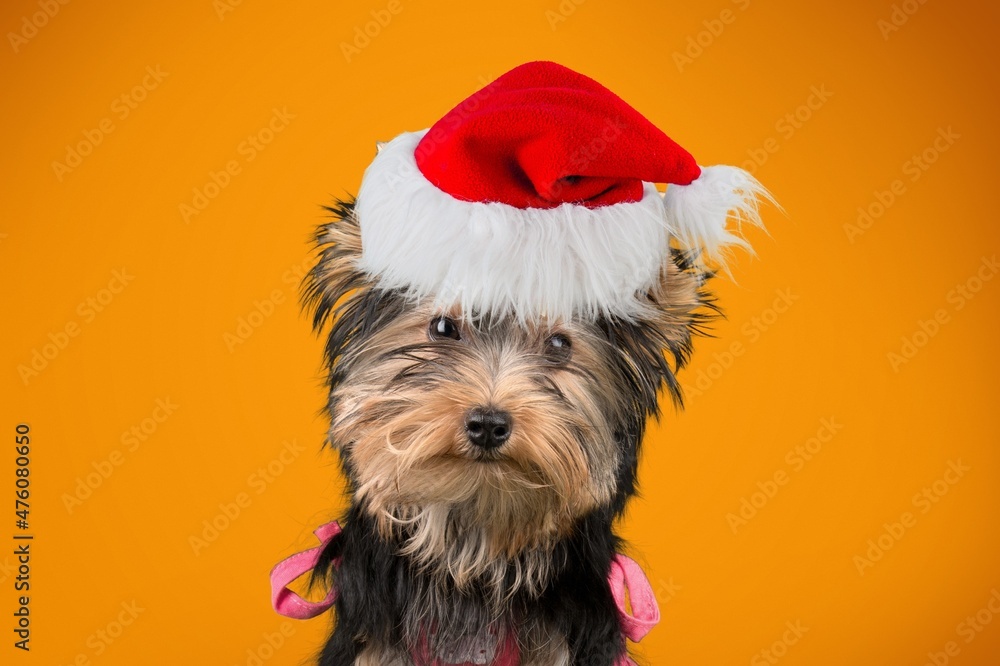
{"x":536,"y":197}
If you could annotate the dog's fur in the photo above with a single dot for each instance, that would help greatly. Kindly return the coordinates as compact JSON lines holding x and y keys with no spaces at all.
{"x":445,"y":543}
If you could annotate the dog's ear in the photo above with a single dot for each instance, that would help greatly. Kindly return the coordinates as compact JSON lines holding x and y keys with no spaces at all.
{"x":660,"y":343}
{"x":335,"y":274}
{"x":681,"y":304}
{"x":335,"y":285}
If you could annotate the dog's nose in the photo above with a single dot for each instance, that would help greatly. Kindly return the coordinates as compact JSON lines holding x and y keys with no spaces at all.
{"x":487,"y":428}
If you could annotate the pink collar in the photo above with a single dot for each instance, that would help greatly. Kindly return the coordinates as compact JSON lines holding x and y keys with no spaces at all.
{"x":625,"y":575}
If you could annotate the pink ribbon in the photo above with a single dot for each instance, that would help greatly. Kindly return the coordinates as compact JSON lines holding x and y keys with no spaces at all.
{"x":624,"y":575}
{"x":289,"y":603}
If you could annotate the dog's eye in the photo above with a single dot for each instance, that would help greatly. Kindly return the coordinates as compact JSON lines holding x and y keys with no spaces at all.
{"x":558,"y":349}
{"x":442,"y":327}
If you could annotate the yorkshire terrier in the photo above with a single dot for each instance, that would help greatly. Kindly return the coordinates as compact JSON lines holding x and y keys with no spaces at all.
{"x":487,"y":462}
{"x":504,"y":303}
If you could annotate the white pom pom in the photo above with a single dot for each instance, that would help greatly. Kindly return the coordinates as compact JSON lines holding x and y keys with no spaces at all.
{"x":698,"y":213}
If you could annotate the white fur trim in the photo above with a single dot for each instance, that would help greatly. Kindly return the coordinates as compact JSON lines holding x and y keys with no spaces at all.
{"x":492,"y":257}
{"x":698,"y":213}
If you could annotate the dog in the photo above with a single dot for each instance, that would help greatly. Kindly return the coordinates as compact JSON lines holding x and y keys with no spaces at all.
{"x":487,"y":462}
{"x":499,"y":330}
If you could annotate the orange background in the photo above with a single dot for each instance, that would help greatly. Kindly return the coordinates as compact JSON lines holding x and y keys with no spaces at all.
{"x":235,"y":406}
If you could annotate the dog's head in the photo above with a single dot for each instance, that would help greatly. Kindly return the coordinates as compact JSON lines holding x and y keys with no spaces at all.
{"x":478,"y":438}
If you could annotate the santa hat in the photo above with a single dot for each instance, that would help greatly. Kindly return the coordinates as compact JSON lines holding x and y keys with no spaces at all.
{"x":535,"y":197}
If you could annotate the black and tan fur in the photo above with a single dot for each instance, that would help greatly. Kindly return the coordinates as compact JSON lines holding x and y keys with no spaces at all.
{"x":470,"y":542}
